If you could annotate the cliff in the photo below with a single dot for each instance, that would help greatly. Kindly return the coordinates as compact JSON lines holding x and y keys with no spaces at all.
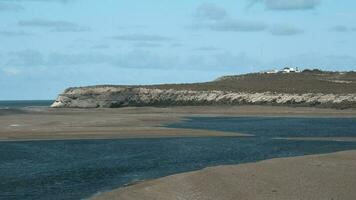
{"x":336,"y":90}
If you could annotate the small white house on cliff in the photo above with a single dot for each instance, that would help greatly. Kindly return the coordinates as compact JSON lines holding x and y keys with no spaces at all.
{"x":284,"y":70}
{"x":290,"y":70}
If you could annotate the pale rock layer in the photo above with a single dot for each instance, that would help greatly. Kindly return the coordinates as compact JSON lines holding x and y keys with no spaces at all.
{"x":111,"y":97}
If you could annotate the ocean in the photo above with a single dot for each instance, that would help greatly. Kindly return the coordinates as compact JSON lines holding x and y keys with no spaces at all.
{"x":77,"y":169}
{"x":25,"y":103}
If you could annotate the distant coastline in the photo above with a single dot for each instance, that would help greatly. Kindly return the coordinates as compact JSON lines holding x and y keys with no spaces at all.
{"x":308,"y":88}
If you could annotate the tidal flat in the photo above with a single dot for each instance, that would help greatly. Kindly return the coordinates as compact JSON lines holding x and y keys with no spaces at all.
{"x":77,"y":153}
{"x":41,"y":123}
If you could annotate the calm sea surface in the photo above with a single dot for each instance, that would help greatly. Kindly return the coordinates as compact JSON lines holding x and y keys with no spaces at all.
{"x":81,"y":168}
{"x":23,"y":104}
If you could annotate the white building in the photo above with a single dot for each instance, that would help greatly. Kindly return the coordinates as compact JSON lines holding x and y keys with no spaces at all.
{"x":290,"y":70}
{"x":284,"y":70}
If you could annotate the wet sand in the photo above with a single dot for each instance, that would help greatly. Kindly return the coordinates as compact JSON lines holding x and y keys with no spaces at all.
{"x":329,"y":176}
{"x":133,"y":122}
{"x":142,"y":122}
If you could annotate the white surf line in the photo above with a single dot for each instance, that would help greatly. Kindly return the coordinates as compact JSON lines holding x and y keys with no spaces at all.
{"x":14,"y":125}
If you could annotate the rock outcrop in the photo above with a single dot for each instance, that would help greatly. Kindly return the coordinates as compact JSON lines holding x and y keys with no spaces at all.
{"x":117,"y":96}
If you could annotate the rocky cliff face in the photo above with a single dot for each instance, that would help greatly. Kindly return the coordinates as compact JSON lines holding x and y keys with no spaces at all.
{"x":115,"y":96}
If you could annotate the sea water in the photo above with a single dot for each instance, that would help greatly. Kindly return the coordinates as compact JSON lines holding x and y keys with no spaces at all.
{"x":24,"y":103}
{"x":77,"y":169}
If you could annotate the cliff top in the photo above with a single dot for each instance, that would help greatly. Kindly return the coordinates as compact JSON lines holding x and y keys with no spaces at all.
{"x":309,"y":81}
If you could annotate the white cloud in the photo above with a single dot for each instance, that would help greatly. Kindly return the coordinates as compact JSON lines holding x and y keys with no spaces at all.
{"x":141,"y":38}
{"x":287,"y":4}
{"x":33,"y":58}
{"x":341,"y":28}
{"x":53,"y":25}
{"x":215,"y":18}
{"x":7,"y":33}
{"x":209,"y":11}
{"x":238,"y":26}
{"x":10,"y":7}
{"x":136,"y":59}
{"x":284,"y":30}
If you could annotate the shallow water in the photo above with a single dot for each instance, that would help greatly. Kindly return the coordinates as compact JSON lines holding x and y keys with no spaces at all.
{"x":81,"y":168}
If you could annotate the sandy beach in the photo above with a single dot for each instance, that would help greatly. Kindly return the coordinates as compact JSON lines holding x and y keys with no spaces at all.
{"x":133,"y":122}
{"x":329,"y":176}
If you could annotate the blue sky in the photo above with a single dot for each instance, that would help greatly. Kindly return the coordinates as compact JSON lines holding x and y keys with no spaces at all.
{"x":48,"y":45}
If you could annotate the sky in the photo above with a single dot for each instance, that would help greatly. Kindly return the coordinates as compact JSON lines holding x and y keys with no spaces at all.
{"x":49,"y":45}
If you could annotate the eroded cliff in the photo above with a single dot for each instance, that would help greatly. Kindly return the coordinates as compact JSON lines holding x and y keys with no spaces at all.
{"x":336,"y":90}
{"x":112,"y":97}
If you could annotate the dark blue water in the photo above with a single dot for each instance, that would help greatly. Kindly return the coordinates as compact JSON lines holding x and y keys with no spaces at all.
{"x":24,"y":103}
{"x":275,"y":126}
{"x":79,"y":169}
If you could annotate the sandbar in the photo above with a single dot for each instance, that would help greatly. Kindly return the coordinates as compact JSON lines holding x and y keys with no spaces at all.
{"x":329,"y":176}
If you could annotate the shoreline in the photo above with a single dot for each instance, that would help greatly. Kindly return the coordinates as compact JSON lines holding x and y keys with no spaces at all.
{"x":322,"y":176}
{"x":221,"y":182}
{"x":136,"y":122}
{"x":180,"y":133}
